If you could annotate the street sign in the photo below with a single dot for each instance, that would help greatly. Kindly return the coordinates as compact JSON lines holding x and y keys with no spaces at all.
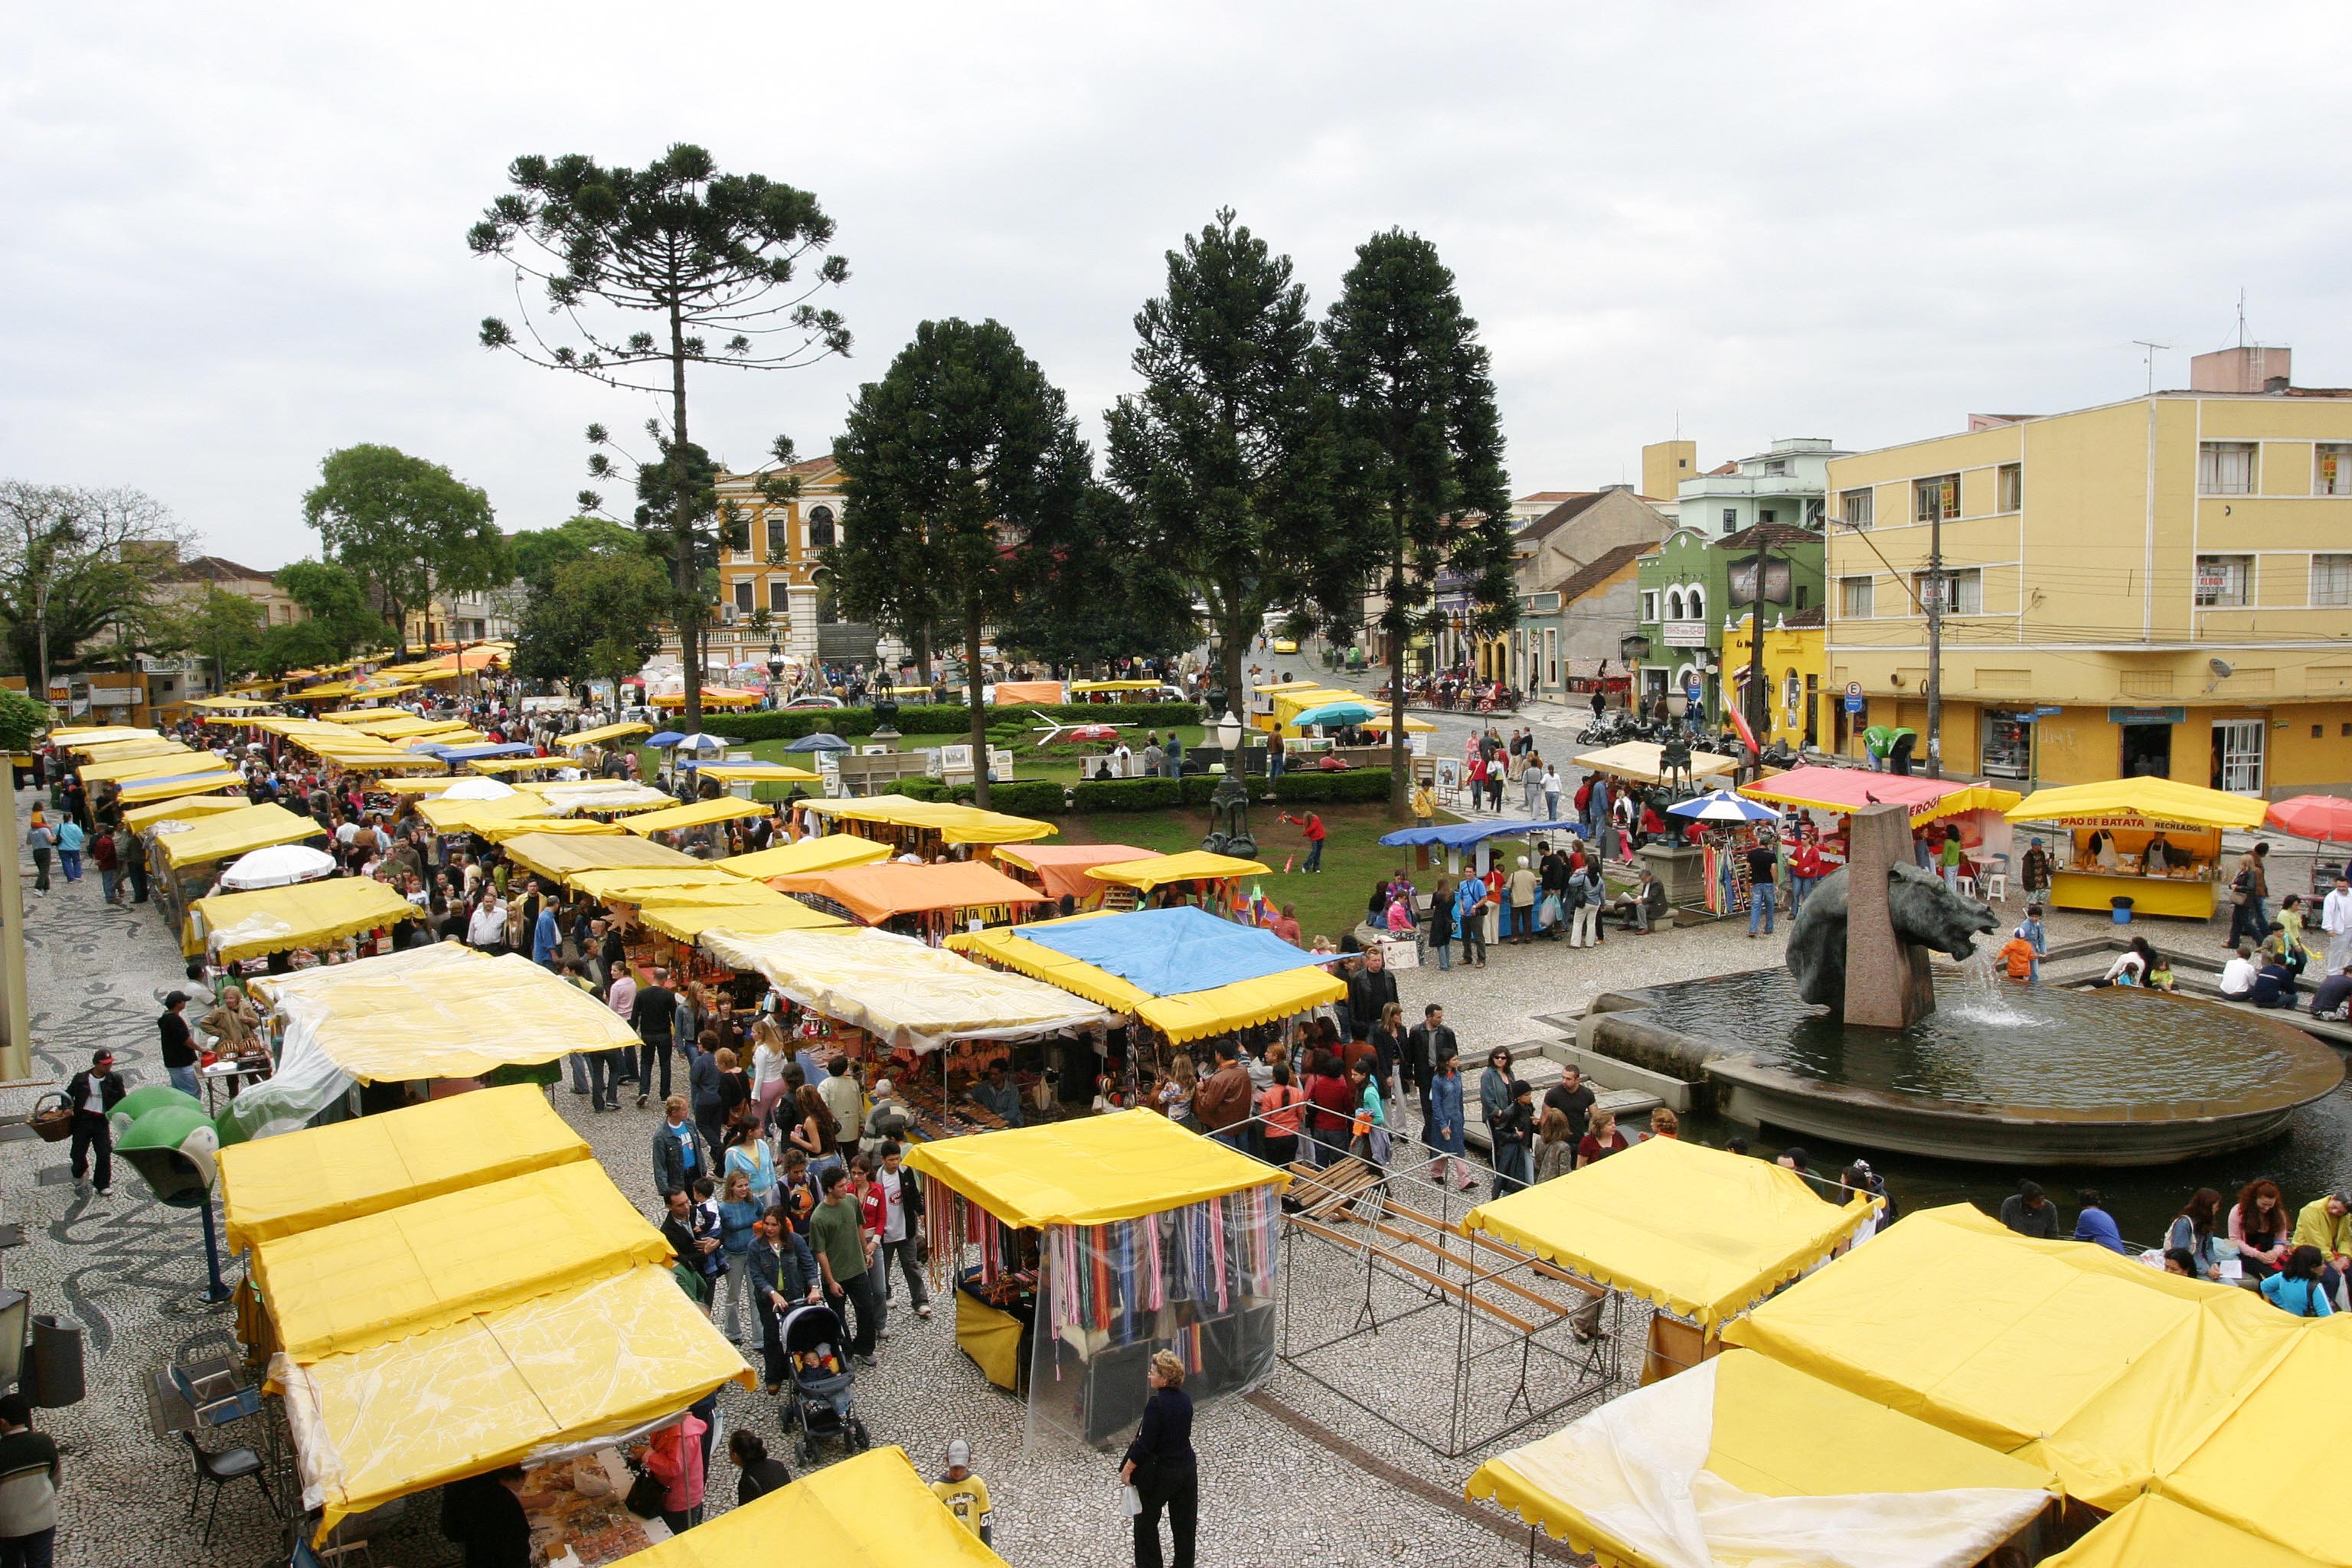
{"x":1853,"y":690}
{"x":1854,"y":702}
{"x":2046,"y":712}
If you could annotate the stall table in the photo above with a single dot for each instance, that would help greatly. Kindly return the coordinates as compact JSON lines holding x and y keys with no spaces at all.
{"x":2128,"y":813}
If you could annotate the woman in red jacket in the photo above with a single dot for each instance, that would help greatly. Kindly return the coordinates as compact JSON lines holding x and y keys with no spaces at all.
{"x":1805,"y":868}
{"x":1333,"y":1114}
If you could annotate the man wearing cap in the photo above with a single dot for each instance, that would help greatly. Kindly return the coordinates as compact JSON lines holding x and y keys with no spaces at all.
{"x":965,"y":1494}
{"x":178,"y":1043}
{"x":92,"y":1095}
{"x":2035,"y":871}
{"x":888,"y":1120}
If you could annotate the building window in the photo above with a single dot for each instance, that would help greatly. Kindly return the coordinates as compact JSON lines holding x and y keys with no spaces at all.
{"x":1854,"y":507}
{"x":1854,"y":598}
{"x":820,"y":528}
{"x":1801,"y":596}
{"x":2225,"y":467}
{"x":777,"y":601}
{"x":1695,"y":604}
{"x":1649,"y":604}
{"x":2332,"y":470}
{"x":2238,"y":755}
{"x":778,"y":536}
{"x":2224,"y":581}
{"x":1730,"y":520}
{"x":1674,"y":603}
{"x":2008,"y":487}
{"x":1767,"y":514}
{"x":2331,"y":580}
{"x":743,"y":595}
{"x":1963,"y":590}
{"x":1935,"y":500}
{"x":1775,"y":466}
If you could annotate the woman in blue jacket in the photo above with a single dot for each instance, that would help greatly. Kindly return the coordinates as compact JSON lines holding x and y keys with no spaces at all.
{"x":1443,"y":1134}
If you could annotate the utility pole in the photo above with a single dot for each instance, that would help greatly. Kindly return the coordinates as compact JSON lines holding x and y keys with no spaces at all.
{"x":1759,"y":710}
{"x":1936,"y":639}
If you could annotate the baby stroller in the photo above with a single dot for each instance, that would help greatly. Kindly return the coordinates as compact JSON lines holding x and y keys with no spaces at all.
{"x":816,"y":1349}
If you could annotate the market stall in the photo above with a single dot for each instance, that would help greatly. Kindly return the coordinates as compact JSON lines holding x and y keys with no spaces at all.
{"x":1643,"y":762}
{"x":1744,"y":1460}
{"x":825,"y":853}
{"x":928,"y":828}
{"x":239,"y":929}
{"x":562,"y":855}
{"x":699,"y":814}
{"x":2095,"y":1365}
{"x":187,"y":851}
{"x":1193,"y":876}
{"x":173,"y":786}
{"x":871,"y":1510}
{"x":1059,"y":870}
{"x":928,"y":901}
{"x":445,"y":1011}
{"x":2109,"y":828}
{"x":1091,"y":1244}
{"x":185,"y":809}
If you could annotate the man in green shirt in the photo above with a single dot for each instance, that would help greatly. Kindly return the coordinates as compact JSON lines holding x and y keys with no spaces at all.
{"x":837,"y":1236}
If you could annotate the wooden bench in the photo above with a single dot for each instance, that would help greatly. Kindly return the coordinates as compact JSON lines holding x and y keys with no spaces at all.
{"x":1405,"y":1265}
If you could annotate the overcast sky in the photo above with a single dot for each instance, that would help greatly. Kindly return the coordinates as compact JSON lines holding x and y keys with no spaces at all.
{"x":234,"y":237}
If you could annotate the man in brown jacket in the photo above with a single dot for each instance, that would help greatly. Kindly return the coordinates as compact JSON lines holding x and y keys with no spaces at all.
{"x":1223,"y":1101}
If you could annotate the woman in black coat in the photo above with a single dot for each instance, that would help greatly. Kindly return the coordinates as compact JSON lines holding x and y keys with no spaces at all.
{"x":1162,"y":1467}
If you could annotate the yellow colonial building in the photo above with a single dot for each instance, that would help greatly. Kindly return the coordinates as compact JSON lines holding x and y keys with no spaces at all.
{"x":772,"y":588}
{"x":2161,"y":586}
{"x":1802,"y":707}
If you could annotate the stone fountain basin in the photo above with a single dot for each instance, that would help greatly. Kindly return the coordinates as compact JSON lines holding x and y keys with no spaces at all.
{"x":2046,"y":1076}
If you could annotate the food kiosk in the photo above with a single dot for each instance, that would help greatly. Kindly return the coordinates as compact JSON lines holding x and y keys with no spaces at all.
{"x":2108,"y":831}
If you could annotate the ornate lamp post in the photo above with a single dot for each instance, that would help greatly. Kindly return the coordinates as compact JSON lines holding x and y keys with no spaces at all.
{"x":775,"y":671}
{"x":883,"y":699}
{"x":1229,"y":831}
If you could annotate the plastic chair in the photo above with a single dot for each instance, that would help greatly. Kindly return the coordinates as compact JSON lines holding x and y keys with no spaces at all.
{"x":1997,"y":887}
{"x":228,"y":1464}
{"x":214,"y":1392}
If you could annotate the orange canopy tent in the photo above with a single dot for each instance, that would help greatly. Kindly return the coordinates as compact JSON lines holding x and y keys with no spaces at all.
{"x":875,"y":893}
{"x":1062,"y":867}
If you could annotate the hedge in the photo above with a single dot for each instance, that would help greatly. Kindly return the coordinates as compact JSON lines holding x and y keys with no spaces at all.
{"x":1043,"y":797}
{"x":1130,"y":795}
{"x":923,"y":719}
{"x":1355,"y":784}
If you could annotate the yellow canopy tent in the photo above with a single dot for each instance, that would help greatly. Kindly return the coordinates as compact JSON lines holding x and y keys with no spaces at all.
{"x":638,"y":881}
{"x":323,"y":1175}
{"x":79,"y":737}
{"x":2150,"y":802}
{"x":554,"y":1374}
{"x":1412,"y":726}
{"x":188,"y":808}
{"x":472,"y":815}
{"x":822,"y":853}
{"x":2154,"y":1531}
{"x":1082,"y":688}
{"x":905,"y":994}
{"x":401,"y":726}
{"x":238,"y":926}
{"x":954,"y":824}
{"x":1744,"y":1460}
{"x":601,"y":734}
{"x":1186,"y":866}
{"x":2254,"y":1473}
{"x":231,"y":704}
{"x":1702,"y":1233}
{"x":211,"y":779}
{"x":700,"y":813}
{"x":871,"y":1511}
{"x":436,"y":1261}
{"x":559,"y":856}
{"x":231,"y":833}
{"x":497,"y":766}
{"x":712,"y":697}
{"x":1182,"y":1016}
{"x":2129,"y":812}
{"x":417,"y":787}
{"x":1640,"y":760}
{"x":687,"y":922}
{"x":614,"y":796}
{"x":754,"y":772}
{"x":150,"y":764}
{"x":1091,"y":1170}
{"x":2065,"y":1354}
{"x":354,"y":715}
{"x":515,"y":827}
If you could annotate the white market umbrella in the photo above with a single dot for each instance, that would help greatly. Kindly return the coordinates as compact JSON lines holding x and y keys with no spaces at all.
{"x":701,"y":740}
{"x":279,"y":866}
{"x":1722,"y":806}
{"x":477,"y":789}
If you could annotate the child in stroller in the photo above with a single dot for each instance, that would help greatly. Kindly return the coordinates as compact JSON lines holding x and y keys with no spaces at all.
{"x":818,"y":1408}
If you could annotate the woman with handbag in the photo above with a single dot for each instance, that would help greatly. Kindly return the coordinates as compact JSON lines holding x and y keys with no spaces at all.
{"x":674,"y":1459}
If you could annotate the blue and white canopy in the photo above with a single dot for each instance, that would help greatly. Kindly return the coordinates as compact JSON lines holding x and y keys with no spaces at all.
{"x":1722,"y":806}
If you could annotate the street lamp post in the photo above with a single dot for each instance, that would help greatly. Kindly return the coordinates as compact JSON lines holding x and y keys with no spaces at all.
{"x":775,"y":671}
{"x":1229,"y":831}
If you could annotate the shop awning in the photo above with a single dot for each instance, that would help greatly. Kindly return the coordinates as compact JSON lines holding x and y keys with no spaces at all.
{"x":2254,"y":1473}
{"x":472,"y":815}
{"x":2062,"y":1353}
{"x":2154,"y":1531}
{"x":1166,"y":951}
{"x":426,"y":1265}
{"x":554,"y":1374}
{"x":561,"y":855}
{"x":2152,"y":802}
{"x":1181,"y":1015}
{"x":1640,"y":760}
{"x":876,"y":893}
{"x":1848,"y":790}
{"x":139,"y":792}
{"x":142,"y":760}
{"x":826,"y":853}
{"x":954,"y":824}
{"x":81,"y":737}
{"x":1702,"y":1233}
{"x":1091,"y":1170}
{"x":1186,"y":866}
{"x":700,"y":813}
{"x":238,"y":926}
{"x":754,"y":772}
{"x":635,"y":883}
{"x":601,"y":734}
{"x":188,"y":808}
{"x":1464,"y":834}
{"x":323,"y":1175}
{"x":1062,"y":867}
{"x":1740,"y":1459}
{"x":229,"y":833}
{"x":686,"y":921}
{"x":902,"y":991}
{"x":871,"y":1510}
{"x":515,"y":827}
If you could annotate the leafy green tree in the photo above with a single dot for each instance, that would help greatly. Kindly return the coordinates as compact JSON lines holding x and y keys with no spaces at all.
{"x":1422,"y":491}
{"x":727,"y":266}
{"x":539,"y":552}
{"x":220,"y":627}
{"x":341,"y":620}
{"x":77,"y":562}
{"x":958,"y":467}
{"x":405,"y":527}
{"x":1101,"y":593}
{"x":1226,"y":451}
{"x":21,"y":719}
{"x":600,"y":614}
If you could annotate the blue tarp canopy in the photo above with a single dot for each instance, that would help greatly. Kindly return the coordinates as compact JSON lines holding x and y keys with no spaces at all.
{"x":1462,"y":835}
{"x":467,"y":753}
{"x":666,"y":738}
{"x":1170,"y":952}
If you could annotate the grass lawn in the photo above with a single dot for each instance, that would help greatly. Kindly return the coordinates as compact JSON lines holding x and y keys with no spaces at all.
{"x":1025,"y":763}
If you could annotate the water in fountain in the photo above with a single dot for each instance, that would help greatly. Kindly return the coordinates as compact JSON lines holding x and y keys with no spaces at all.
{"x":1987,"y":995}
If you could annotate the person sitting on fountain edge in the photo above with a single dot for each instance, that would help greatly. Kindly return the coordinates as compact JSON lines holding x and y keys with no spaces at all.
{"x":2028,"y":1212}
{"x":2332,"y":1000}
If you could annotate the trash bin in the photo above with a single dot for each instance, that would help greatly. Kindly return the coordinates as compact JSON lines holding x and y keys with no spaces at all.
{"x":2123,"y":910}
{"x":53,"y":1372}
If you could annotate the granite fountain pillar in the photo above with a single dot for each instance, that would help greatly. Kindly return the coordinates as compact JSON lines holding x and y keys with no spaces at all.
{"x":1887,"y":984}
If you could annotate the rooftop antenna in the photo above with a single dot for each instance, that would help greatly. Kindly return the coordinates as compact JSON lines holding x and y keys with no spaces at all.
{"x":2150,"y":358}
{"x":2241,"y":317}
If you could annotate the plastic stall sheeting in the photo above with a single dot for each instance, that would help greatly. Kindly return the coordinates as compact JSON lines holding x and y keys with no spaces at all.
{"x":426,"y":1265}
{"x":2153,"y":1532}
{"x":2258,"y":1473}
{"x":139,"y":792}
{"x":225,"y":835}
{"x":1704,"y":1233}
{"x":1187,"y":1015}
{"x":872,"y":1510}
{"x":904,"y":992}
{"x":154,"y":759}
{"x":443,"y":1011}
{"x":1089,"y":1171}
{"x":876,"y":893}
{"x":1062,"y":867}
{"x":1743,"y":1460}
{"x":822,"y":853}
{"x":561,"y":856}
{"x":2152,"y":802}
{"x":2093,"y":1364}
{"x":1168,"y":951}
{"x":544,"y":1378}
{"x":1186,"y":866}
{"x":700,"y":813}
{"x":954,"y":824}
{"x":189,"y":809}
{"x":238,"y":926}
{"x":323,"y":1175}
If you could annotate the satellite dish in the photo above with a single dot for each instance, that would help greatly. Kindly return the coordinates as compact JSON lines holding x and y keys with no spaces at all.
{"x":2222,"y":668}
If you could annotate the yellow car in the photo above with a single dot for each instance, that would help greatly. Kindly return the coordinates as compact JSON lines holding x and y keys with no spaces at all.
{"x":1285,"y":645}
